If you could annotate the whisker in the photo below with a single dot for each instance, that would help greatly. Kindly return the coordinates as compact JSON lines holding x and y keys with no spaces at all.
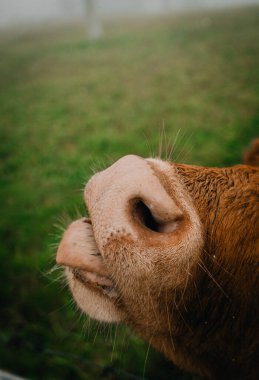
{"x":168,"y":148}
{"x":146,"y":358}
{"x":109,"y":160}
{"x":173,"y":145}
{"x":159,"y":145}
{"x":168,"y":321}
{"x":114,"y":341}
{"x":183,"y":146}
{"x":148,"y":145}
{"x":213,"y":258}
{"x":186,"y":282}
{"x":150,"y":301}
{"x":97,"y":332}
{"x":202,"y":266}
{"x":179,"y":312}
{"x":197,"y":292}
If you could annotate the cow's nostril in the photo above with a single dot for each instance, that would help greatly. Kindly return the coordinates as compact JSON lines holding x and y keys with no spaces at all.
{"x":144,"y":216}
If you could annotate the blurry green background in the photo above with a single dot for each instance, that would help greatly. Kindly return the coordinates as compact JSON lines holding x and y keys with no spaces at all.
{"x":69,"y":106}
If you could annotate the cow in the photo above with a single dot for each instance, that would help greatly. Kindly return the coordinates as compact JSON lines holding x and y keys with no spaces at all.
{"x":171,"y":250}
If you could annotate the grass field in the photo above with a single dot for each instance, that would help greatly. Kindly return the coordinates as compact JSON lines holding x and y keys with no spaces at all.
{"x":66,"y":107}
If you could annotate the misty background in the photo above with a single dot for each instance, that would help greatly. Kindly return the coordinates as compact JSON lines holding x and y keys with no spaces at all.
{"x":83,"y":83}
{"x":34,"y":11}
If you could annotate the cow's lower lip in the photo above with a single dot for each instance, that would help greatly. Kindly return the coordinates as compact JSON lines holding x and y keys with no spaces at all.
{"x":95,"y":281}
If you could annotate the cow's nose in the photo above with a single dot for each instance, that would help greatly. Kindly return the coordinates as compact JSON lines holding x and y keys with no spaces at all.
{"x":129,"y":196}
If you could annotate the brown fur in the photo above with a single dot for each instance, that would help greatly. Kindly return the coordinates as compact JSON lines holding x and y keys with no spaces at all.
{"x":190,"y":290}
{"x":218,"y":318}
{"x":251,"y":156}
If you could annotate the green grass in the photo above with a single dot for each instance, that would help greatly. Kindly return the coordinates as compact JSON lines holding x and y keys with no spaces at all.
{"x":67,"y":105}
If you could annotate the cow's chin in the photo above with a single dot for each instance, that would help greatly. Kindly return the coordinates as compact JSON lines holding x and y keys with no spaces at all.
{"x":94,"y":302}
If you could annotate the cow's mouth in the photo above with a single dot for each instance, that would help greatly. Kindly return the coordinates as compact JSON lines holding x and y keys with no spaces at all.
{"x":95,"y":281}
{"x":79,"y":254}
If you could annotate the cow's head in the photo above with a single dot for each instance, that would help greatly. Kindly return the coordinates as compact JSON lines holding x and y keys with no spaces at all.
{"x":166,"y":250}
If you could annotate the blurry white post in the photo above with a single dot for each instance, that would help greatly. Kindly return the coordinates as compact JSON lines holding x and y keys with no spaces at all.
{"x":67,"y":8}
{"x":166,"y":5}
{"x":93,"y":20}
